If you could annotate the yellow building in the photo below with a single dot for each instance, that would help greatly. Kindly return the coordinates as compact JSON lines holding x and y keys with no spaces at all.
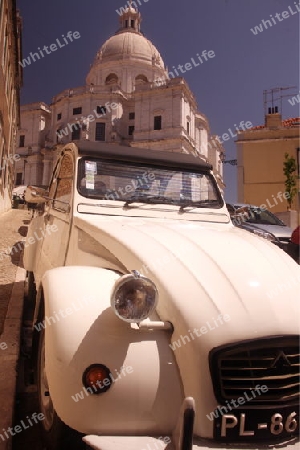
{"x":260,"y":159}
{"x":10,"y":83}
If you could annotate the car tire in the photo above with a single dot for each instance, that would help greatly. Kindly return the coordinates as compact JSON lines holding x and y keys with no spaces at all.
{"x":56,"y":435}
{"x":31,"y":290}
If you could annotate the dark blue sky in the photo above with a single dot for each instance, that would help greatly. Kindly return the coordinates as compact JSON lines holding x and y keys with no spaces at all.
{"x":228,"y":88}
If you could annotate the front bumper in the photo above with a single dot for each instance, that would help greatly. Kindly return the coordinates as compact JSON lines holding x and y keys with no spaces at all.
{"x":152,"y":443}
{"x":181,"y":439}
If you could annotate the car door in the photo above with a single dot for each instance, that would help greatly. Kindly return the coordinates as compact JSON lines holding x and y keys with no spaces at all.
{"x":58,"y":216}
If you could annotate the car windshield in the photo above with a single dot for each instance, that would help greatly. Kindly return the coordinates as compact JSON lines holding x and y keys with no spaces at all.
{"x":130,"y":182}
{"x":257,"y":216}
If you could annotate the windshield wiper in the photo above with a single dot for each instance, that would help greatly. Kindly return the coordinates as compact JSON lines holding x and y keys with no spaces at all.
{"x":200,"y":204}
{"x":150,"y":199}
{"x":136,"y":199}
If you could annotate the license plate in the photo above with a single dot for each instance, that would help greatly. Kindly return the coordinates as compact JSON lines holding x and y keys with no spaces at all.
{"x":257,"y":424}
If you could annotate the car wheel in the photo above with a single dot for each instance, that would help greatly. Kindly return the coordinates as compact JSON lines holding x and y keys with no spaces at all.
{"x":31,"y":290}
{"x":56,"y":435}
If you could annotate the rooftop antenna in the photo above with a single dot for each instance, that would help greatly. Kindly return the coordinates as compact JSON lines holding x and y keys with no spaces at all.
{"x":272,"y":96}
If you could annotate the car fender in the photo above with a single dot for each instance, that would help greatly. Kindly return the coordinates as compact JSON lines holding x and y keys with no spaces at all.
{"x":33,"y":242}
{"x":82,"y":329}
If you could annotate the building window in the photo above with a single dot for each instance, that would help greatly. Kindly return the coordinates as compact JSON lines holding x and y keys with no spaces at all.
{"x":22,"y":140}
{"x":157,"y":122}
{"x":111,"y":79}
{"x":141,"y":79}
{"x":132,"y":24}
{"x":100,"y":131}
{"x":75,"y":133}
{"x":59,"y":116}
{"x":188,"y":127}
{"x":131,"y":116}
{"x":42,"y":123}
{"x":77,"y":111}
{"x":130,"y":130}
{"x":101,"y":110}
{"x":19,"y":179}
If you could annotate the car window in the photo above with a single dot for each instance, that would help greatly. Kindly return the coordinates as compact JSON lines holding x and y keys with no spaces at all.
{"x":120,"y":181}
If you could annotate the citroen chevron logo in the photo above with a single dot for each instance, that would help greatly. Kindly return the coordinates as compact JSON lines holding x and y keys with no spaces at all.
{"x":280,"y":361}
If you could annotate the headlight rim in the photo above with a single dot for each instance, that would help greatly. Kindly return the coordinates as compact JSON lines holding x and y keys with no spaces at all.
{"x":133,"y":276}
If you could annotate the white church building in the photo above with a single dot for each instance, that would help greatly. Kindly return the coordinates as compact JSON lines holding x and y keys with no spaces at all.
{"x":128,"y":98}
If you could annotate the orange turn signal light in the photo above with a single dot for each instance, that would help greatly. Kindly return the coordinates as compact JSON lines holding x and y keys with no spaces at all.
{"x":97,"y":378}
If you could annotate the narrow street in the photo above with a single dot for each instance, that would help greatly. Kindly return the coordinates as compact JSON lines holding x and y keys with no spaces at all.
{"x":14,"y":226}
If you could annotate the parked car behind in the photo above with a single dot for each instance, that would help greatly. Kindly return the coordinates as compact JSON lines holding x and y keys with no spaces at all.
{"x":260,"y":222}
{"x":18,"y":196}
{"x":19,"y":190}
{"x":156,"y":322}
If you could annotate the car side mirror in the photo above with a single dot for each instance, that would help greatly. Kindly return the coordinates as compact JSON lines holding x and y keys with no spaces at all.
{"x":34,"y":194}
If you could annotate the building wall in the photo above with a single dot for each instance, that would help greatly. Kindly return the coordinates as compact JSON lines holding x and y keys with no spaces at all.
{"x":31,"y":139}
{"x":174,"y":102}
{"x":10,"y":82}
{"x":260,"y":154}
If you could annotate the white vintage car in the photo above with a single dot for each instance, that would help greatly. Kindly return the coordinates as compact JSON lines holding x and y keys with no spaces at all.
{"x":159,"y":324}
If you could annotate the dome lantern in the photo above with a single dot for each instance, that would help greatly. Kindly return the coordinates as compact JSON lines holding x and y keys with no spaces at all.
{"x":130,"y":19}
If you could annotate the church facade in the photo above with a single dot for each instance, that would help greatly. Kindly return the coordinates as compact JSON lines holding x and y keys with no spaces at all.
{"x":128,"y":99}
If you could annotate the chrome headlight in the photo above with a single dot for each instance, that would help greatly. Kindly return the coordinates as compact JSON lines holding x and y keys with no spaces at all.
{"x":265,"y":235}
{"x":134,"y":297}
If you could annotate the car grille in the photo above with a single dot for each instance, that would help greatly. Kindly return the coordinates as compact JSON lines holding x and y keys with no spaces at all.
{"x":274,"y":362}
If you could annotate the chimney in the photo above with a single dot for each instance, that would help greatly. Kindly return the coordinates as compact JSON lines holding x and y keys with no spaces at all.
{"x":273,"y":118}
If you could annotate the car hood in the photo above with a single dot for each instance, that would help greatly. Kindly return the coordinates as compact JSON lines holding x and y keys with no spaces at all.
{"x":217,"y":284}
{"x":202,"y":271}
{"x":280,"y":231}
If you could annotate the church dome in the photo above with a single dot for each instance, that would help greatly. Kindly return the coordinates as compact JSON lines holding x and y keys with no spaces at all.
{"x":130,"y":45}
{"x":125,"y":53}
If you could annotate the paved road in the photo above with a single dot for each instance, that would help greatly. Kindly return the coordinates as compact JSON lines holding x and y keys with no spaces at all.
{"x":13,"y":229}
